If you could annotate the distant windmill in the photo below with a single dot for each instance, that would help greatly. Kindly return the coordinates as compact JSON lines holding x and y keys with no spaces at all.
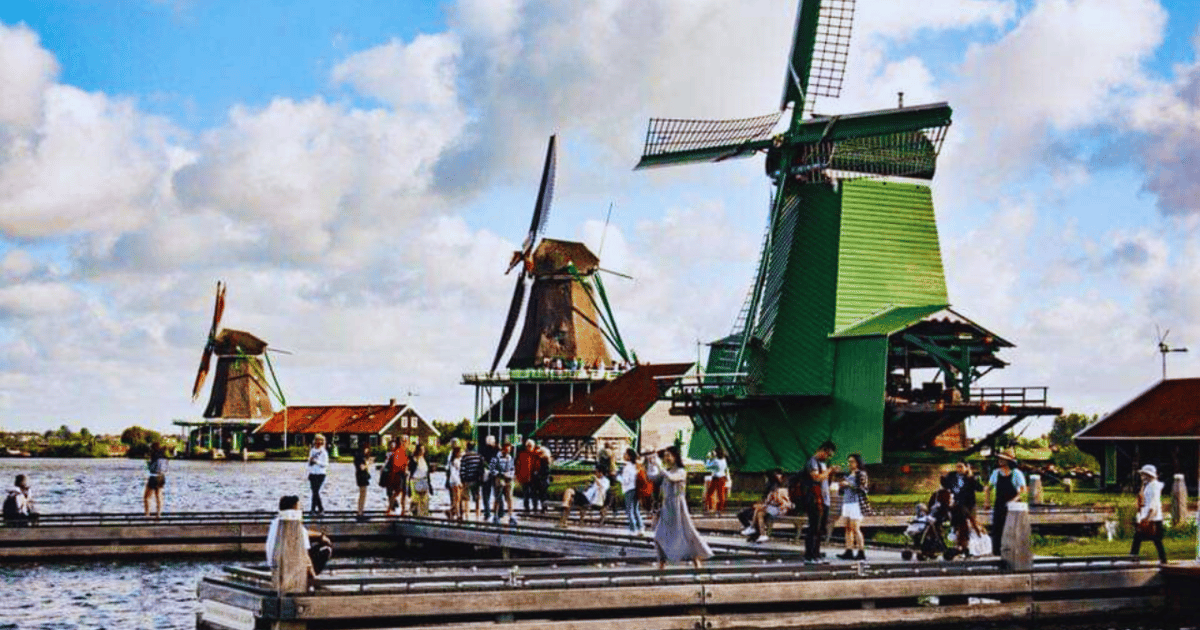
{"x":563,"y":319}
{"x":240,"y":388}
{"x":1163,"y":348}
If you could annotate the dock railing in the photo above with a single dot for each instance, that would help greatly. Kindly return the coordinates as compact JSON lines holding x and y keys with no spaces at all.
{"x":1011,"y":396}
{"x":696,"y":386}
{"x":541,"y":375}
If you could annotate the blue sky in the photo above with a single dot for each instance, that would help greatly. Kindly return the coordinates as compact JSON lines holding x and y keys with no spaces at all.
{"x":358,"y":172}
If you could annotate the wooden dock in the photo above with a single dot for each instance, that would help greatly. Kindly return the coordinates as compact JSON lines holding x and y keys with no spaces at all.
{"x":770,"y":592}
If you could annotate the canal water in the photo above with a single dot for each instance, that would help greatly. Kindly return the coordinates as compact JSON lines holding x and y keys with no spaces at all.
{"x":66,"y":595}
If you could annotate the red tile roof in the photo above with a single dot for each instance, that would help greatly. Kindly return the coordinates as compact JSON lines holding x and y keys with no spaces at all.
{"x":1170,"y":409}
{"x":582,"y":426}
{"x":630,"y":395}
{"x":331,"y":419}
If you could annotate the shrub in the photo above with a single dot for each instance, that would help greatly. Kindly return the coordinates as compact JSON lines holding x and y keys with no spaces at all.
{"x":291,"y":452}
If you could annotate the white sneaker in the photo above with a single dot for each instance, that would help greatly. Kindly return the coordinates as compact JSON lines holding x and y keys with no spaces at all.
{"x":749,"y":530}
{"x":762,"y":539}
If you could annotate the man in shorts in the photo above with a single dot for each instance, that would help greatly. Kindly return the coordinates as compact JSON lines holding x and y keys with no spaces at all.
{"x":471,"y":470}
{"x":584,"y":497}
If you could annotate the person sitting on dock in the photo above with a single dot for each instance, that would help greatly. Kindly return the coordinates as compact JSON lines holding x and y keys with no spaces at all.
{"x":746,"y":516}
{"x":503,"y":470}
{"x":777,"y":503}
{"x":584,"y":497}
{"x":319,"y":548}
{"x":18,"y":505}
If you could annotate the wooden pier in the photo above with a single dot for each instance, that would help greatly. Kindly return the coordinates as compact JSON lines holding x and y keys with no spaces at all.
{"x":767,"y":592}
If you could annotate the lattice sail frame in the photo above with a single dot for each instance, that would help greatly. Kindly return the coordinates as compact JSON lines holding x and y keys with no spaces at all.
{"x":900,"y":154}
{"x":831,"y":50}
{"x":678,"y":135}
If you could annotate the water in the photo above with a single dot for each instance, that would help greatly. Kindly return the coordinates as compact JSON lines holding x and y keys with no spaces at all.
{"x":145,"y":594}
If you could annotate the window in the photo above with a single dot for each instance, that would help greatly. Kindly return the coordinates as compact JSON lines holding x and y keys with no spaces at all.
{"x":354,"y":441}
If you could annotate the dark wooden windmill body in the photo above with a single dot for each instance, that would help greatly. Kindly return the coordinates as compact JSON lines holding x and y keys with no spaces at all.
{"x":239,"y":381}
{"x":561,"y":322}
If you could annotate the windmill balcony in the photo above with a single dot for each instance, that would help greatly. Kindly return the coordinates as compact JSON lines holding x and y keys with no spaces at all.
{"x":541,"y":375}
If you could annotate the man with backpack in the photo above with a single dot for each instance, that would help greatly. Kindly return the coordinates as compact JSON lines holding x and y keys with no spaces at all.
{"x":18,"y":505}
{"x":471,"y":469}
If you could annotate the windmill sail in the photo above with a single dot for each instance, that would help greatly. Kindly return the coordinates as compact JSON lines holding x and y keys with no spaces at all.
{"x":671,"y":141}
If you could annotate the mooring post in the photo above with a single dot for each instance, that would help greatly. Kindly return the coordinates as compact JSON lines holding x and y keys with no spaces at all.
{"x":1035,"y":489}
{"x":1016,"y":546}
{"x":1179,"y":500}
{"x":291,"y":567}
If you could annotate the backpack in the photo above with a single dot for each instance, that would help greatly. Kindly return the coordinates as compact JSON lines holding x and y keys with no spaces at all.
{"x":642,"y":485}
{"x":385,"y":472}
{"x":11,"y":512}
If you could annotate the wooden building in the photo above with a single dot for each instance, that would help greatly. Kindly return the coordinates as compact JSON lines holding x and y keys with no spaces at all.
{"x":345,"y":427}
{"x":1160,"y":426}
{"x":633,"y":401}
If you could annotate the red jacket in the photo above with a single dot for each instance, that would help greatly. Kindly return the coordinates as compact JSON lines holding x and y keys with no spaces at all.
{"x":527,"y":464}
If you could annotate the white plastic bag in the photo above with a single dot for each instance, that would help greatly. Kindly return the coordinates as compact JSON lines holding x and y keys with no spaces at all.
{"x":980,"y":544}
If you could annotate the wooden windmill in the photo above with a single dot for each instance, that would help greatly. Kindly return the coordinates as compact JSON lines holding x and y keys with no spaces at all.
{"x":240,"y":388}
{"x":850,"y":263}
{"x":566,"y":315}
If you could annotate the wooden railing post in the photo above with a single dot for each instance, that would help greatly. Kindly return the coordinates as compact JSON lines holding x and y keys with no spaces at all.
{"x":1016,"y":546}
{"x":1035,"y":489}
{"x":290,"y":573}
{"x":1179,"y":501}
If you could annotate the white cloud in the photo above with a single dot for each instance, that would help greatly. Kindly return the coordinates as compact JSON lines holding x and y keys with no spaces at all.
{"x":420,"y":74}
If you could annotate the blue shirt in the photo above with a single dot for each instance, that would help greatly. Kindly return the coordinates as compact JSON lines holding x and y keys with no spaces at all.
{"x":1018,"y":479}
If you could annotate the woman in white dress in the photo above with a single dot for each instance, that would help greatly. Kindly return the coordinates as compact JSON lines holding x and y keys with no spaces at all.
{"x":675,"y":535}
{"x":455,"y":484}
{"x":854,"y":488}
{"x":1150,"y":513}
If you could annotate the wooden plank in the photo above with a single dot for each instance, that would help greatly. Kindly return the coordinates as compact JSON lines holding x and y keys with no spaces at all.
{"x":1098,"y":606}
{"x":881,"y":617}
{"x":856,"y":589}
{"x":1097,"y":579}
{"x":318,"y":606}
{"x":636,"y":623}
{"x":231,"y":596}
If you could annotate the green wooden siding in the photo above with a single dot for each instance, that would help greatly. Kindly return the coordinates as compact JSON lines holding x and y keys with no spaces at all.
{"x":799,"y":297}
{"x":858,"y":396}
{"x":890,"y":321}
{"x":888,"y":250}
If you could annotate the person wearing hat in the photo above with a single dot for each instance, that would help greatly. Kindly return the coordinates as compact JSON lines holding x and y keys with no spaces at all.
{"x":1008,"y":483}
{"x":1150,"y":514}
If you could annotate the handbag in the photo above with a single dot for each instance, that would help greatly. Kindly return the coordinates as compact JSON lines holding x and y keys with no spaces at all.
{"x":385,"y":472}
{"x":421,"y":485}
{"x":1146,"y":528}
{"x":979,"y":544}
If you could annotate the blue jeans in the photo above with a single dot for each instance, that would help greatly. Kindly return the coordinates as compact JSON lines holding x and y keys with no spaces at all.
{"x":633,"y":512}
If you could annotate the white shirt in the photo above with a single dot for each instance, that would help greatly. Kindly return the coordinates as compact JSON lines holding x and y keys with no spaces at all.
{"x":628,"y":477}
{"x":24,"y":499}
{"x":596,"y":492}
{"x":284,"y":515}
{"x":718,"y":467}
{"x":321,"y":463}
{"x":1151,"y":502}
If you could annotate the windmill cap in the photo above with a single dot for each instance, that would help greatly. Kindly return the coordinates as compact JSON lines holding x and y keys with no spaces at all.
{"x":1149,"y":469}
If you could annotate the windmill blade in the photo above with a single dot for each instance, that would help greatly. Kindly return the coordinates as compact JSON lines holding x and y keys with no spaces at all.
{"x":541,"y":208}
{"x":671,"y":141}
{"x":514,"y":310}
{"x":206,"y":357}
{"x":820,"y":48}
{"x":202,"y":372}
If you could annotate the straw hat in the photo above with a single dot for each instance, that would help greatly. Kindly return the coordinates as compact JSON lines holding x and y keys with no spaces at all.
{"x":1149,"y":469}
{"x":1008,"y":454}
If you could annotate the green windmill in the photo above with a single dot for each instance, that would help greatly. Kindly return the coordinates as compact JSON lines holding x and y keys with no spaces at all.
{"x":846,"y":333}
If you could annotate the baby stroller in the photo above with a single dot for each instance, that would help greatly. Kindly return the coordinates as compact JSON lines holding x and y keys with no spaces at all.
{"x":925,"y":532}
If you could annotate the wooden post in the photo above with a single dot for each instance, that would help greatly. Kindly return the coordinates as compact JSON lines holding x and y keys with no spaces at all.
{"x":1016,"y":546}
{"x":1035,"y":489}
{"x":1179,"y":499}
{"x":290,"y":573}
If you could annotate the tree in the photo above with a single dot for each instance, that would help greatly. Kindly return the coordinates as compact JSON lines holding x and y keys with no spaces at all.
{"x":85,"y":435}
{"x":139,"y":440}
{"x":64,"y":432}
{"x":447,"y":431}
{"x":1065,"y":427}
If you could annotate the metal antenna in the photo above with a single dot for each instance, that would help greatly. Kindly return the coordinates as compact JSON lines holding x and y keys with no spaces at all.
{"x":1163,"y":349}
{"x":604,"y":232}
{"x":900,"y":98}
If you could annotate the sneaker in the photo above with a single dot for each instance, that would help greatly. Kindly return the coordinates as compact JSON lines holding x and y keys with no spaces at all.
{"x":512,"y":520}
{"x":748,"y":531}
{"x":762,"y":538}
{"x":861,"y":555}
{"x":846,"y":555}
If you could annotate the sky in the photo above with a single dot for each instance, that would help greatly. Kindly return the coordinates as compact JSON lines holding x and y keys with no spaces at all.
{"x":358,"y":173}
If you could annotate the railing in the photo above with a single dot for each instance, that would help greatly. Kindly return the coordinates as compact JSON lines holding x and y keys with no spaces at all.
{"x":543,"y":374}
{"x":702,"y":385}
{"x":1014,"y":396}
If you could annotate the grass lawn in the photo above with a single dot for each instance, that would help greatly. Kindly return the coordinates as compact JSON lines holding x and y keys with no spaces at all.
{"x":1179,"y":547}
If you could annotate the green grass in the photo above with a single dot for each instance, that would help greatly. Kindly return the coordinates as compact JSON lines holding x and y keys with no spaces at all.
{"x":1177,"y":548}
